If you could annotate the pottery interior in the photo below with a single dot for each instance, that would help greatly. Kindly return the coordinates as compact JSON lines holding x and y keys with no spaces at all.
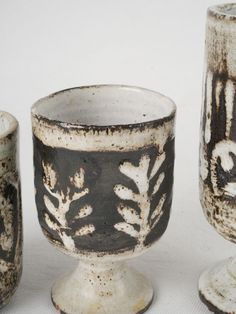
{"x":104,"y":158}
{"x":10,"y":210}
{"x":218,"y":150}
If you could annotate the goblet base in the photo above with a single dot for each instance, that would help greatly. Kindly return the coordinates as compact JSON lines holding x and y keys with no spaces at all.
{"x":217,"y":287}
{"x":101,"y":288}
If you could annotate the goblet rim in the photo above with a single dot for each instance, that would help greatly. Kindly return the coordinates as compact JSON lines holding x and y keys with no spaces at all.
{"x":11,"y":124}
{"x":223,"y":11}
{"x":101,"y":127}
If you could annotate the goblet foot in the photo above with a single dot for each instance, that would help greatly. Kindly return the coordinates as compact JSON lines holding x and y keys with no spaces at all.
{"x":217,"y":287}
{"x":101,"y":288}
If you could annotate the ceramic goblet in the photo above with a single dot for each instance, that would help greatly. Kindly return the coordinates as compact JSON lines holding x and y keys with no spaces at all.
{"x":104,"y":158}
{"x":218,"y":152}
{"x":10,"y":209}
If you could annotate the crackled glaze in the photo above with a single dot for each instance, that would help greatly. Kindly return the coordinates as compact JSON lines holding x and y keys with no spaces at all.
{"x":218,"y":147}
{"x":103,"y":191}
{"x":10,"y":210}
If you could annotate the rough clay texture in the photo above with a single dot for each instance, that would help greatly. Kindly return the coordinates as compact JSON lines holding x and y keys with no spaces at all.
{"x":103,"y":194}
{"x":218,"y":153}
{"x":105,"y":202}
{"x":10,"y":220}
{"x":218,"y":137}
{"x":107,"y":288}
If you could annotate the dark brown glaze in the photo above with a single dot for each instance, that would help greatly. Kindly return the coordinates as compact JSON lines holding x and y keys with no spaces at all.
{"x":11,"y":257}
{"x":101,"y":175}
{"x":218,"y":126}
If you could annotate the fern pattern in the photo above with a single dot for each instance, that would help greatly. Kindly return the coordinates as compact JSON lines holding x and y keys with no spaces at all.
{"x":10,"y":266}
{"x":6,"y":237}
{"x":59,"y":222}
{"x":141,"y":176}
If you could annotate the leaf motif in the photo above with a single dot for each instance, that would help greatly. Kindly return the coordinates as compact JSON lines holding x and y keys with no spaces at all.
{"x":158,"y":212}
{"x":67,"y":241}
{"x":50,"y":176}
{"x":85,"y":230}
{"x":57,"y":213}
{"x":4,"y":266}
{"x":129,"y":215}
{"x":158,"y":162}
{"x":52,"y":225}
{"x":50,"y":206}
{"x":158,"y":183}
{"x":125,"y":193}
{"x":78,"y":195}
{"x":230,"y":189}
{"x":84,"y":212}
{"x":137,"y":174}
{"x":126,"y":228}
{"x":78,"y":179}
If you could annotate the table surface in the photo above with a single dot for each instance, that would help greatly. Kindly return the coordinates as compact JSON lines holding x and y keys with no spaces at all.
{"x":51,"y":45}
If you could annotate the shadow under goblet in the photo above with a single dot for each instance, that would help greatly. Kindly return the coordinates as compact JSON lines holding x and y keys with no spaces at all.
{"x":104,"y":158}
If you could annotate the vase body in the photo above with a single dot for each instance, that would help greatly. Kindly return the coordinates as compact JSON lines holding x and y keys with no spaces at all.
{"x":218,"y":141}
{"x":10,"y":209}
{"x":103,"y":189}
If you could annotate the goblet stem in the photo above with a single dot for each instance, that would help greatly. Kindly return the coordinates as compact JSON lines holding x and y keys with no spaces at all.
{"x":217,"y":287}
{"x":101,"y":288}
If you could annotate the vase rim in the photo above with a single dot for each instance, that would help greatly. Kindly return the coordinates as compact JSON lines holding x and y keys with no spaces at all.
{"x":8,"y":124}
{"x":223,"y":11}
{"x":148,"y":99}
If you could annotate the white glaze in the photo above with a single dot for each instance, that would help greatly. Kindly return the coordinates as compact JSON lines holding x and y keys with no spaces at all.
{"x":141,"y":179}
{"x":78,"y":139}
{"x":102,"y":288}
{"x":218,"y":285}
{"x":104,"y":105}
{"x":64,"y":202}
{"x":118,"y":119}
{"x":10,"y":209}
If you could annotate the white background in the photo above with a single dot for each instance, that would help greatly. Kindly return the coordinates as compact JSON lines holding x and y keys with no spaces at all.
{"x":46,"y":46}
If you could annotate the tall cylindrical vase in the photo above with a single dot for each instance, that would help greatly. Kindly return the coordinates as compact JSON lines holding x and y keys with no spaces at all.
{"x":10,"y":209}
{"x":217,"y":285}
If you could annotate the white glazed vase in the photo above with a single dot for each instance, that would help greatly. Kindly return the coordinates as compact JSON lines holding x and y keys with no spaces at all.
{"x":10,"y":209}
{"x":218,"y":151}
{"x":104,"y":158}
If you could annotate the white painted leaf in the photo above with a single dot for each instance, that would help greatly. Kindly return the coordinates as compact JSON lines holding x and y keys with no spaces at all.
{"x":158,"y":183}
{"x":158,"y":212}
{"x":50,"y":206}
{"x":229,"y":97}
{"x":126,"y":228}
{"x":128,"y":169}
{"x":6,"y":241}
{"x":144,"y":164}
{"x":50,"y":176}
{"x":159,"y":161}
{"x":230,"y":189}
{"x":7,"y":236}
{"x":84,"y":212}
{"x":85,"y":230}
{"x":137,"y":174}
{"x":78,"y":195}
{"x":124,"y":193}
{"x":52,"y":225}
{"x":129,"y":214}
{"x":78,"y":179}
{"x":4,"y":266}
{"x":67,"y":241}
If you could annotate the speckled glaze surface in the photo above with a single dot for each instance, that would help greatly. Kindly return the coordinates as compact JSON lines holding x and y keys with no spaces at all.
{"x":218,"y":148}
{"x":104,"y":158}
{"x":10,"y":209}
